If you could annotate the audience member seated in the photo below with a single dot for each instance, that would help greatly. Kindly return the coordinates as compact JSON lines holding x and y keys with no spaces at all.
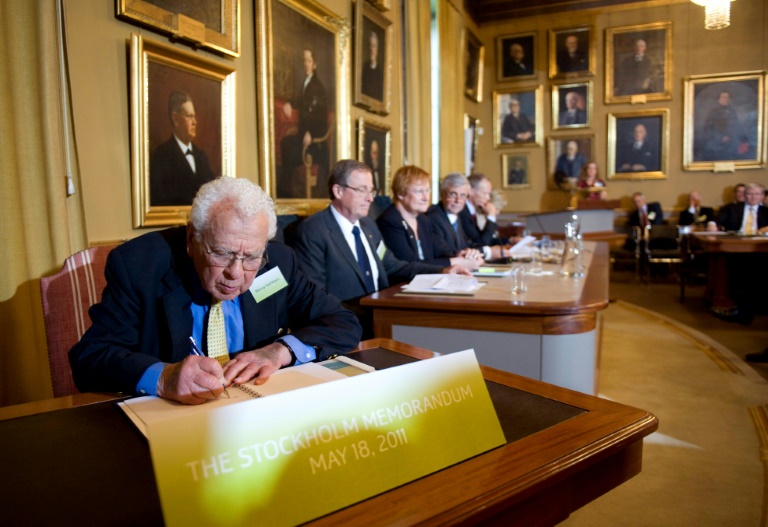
{"x":738,"y":199}
{"x":750,"y":217}
{"x":341,"y":249}
{"x":591,"y":182}
{"x":165,"y":286}
{"x":695,"y":214}
{"x":645,"y":214}
{"x":446,"y":223}
{"x":406,"y":229}
{"x":478,"y":217}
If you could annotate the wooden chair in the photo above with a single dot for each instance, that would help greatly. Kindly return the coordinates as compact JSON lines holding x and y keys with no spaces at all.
{"x":66,"y":296}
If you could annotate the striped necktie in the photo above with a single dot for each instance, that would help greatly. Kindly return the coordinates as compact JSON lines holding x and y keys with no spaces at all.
{"x":749,"y":224}
{"x":217,"y":334}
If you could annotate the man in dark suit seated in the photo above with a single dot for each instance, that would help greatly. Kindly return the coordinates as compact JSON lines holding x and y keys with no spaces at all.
{"x":447,"y":223}
{"x":178,"y":167}
{"x":695,"y":214}
{"x":478,"y":217}
{"x":748,"y":294}
{"x":219,"y":282}
{"x":341,"y":250}
{"x":645,"y":214}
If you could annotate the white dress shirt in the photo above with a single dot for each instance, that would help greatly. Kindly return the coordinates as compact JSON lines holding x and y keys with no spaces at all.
{"x":346,"y":229}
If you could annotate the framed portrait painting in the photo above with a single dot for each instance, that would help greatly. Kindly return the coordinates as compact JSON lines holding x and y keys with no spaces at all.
{"x":373,"y":149}
{"x":637,"y":144}
{"x":474,"y":57}
{"x":514,"y":170}
{"x":724,"y":122}
{"x":571,"y":52}
{"x":515,"y":57}
{"x":472,"y":133}
{"x":638,"y":63}
{"x":302,"y":54}
{"x":566,"y":156}
{"x":571,"y":105}
{"x":373,"y":57}
{"x":214,"y":24}
{"x":517,"y":117}
{"x":182,"y":123}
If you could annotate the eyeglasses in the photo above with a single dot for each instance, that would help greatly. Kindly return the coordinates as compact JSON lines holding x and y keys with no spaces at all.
{"x":456,"y":195}
{"x":419,"y":191}
{"x":372,"y":192}
{"x":219,"y":258}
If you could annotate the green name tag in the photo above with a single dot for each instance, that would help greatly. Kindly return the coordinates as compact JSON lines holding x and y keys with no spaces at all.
{"x":486,"y":270}
{"x":381,"y":250}
{"x":267,"y":284}
{"x":248,"y":463}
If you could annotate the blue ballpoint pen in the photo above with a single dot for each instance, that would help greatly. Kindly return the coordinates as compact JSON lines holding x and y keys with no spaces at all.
{"x":196,"y":351}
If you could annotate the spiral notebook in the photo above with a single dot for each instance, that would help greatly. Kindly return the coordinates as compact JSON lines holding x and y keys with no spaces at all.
{"x":144,"y":410}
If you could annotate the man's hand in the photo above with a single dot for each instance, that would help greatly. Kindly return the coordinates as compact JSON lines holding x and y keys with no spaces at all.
{"x":257,"y":364}
{"x":288,"y":110}
{"x":470,"y":253}
{"x":467,"y":263}
{"x":456,"y":269}
{"x":490,"y":209}
{"x":191,"y":381}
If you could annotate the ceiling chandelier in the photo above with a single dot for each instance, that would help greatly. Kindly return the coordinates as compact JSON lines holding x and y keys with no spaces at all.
{"x":717,"y":13}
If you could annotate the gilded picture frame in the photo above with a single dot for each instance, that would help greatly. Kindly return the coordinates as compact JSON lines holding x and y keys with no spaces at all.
{"x":474,"y":58}
{"x":374,"y":149}
{"x":566,"y":156}
{"x":518,"y":117}
{"x":373,"y":59}
{"x":638,"y":144}
{"x":177,"y":97}
{"x":212,"y":25}
{"x":572,"y":105}
{"x":571,"y":52}
{"x":638,"y":63}
{"x":514,"y":171}
{"x":303,"y":131}
{"x":516,"y":57}
{"x":381,"y":5}
{"x":725,"y":119}
{"x":472,"y":133}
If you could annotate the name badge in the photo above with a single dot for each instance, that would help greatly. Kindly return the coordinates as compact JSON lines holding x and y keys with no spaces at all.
{"x":267,"y":284}
{"x":381,"y":250}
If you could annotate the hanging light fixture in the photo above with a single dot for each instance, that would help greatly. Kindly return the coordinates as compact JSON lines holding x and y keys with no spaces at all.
{"x":717,"y":13}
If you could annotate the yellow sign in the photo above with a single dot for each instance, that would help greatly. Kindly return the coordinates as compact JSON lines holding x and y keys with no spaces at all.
{"x":291,"y":457}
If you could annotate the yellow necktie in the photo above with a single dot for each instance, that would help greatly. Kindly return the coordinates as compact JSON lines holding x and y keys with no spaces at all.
{"x":749,"y":225}
{"x":217,"y":335}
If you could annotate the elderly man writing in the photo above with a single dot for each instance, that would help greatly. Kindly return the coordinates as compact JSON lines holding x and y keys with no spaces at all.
{"x":167,"y":286}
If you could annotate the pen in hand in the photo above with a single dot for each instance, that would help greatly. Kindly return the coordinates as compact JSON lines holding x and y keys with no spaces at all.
{"x":196,"y":351}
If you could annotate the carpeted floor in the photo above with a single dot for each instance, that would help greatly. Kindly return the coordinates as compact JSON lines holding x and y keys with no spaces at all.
{"x":703,"y":467}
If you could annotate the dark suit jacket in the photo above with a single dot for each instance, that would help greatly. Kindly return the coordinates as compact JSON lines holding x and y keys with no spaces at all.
{"x":646,"y":155}
{"x":328,"y":261}
{"x":478,"y":238}
{"x":732,"y":217}
{"x":512,"y":68}
{"x":443,"y":230}
{"x":401,"y":240}
{"x":634,"y":217}
{"x":580,"y":117}
{"x":171,"y":180}
{"x":567,"y":63}
{"x":686,"y":218}
{"x":373,"y":81}
{"x":144,"y":316}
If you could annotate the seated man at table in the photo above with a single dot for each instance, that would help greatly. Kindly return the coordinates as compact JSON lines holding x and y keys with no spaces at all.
{"x":645,"y":214}
{"x":696,"y":214}
{"x":166,"y":287}
{"x":750,"y":217}
{"x":446,"y":221}
{"x":341,"y":250}
{"x":478,"y":217}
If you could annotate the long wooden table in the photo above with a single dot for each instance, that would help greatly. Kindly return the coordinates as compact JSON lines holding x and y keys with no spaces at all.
{"x":720,"y":248}
{"x":88,"y":465}
{"x":549,"y":333}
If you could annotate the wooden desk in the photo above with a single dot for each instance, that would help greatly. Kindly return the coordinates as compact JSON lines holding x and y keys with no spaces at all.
{"x":549,"y":333}
{"x":88,"y":465}
{"x":720,"y":249}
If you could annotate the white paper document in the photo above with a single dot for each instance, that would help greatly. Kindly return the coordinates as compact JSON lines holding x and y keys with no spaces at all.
{"x":445,"y":284}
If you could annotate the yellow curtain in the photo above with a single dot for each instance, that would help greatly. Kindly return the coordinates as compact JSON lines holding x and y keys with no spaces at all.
{"x":451,"y":33}
{"x":41,"y":226}
{"x":417,"y":85}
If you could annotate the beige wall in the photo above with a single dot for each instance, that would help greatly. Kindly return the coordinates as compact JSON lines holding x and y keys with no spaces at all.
{"x":98,"y":55}
{"x":696,"y":51}
{"x":99,"y":75}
